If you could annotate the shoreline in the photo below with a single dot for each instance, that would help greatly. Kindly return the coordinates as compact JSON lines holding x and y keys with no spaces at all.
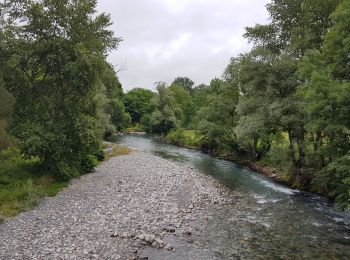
{"x":132,"y":206}
{"x":276,"y":175}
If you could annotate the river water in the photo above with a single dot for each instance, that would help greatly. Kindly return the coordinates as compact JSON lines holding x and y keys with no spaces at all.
{"x":297,"y":225}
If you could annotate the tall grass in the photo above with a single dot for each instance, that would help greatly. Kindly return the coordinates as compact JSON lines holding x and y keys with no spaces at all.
{"x":22,"y":184}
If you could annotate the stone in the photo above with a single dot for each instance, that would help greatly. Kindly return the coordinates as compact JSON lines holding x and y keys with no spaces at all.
{"x":188,"y":231}
{"x":169,"y":247}
{"x":170,"y":229}
{"x":155,"y":244}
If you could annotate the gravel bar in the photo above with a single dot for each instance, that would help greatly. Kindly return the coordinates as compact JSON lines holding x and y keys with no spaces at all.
{"x":137,"y":206}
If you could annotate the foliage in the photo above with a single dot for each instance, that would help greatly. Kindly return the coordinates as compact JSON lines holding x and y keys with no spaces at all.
{"x":167,"y":114}
{"x":138,"y":102}
{"x":185,"y":82}
{"x":184,"y":101}
{"x":6,"y":109}
{"x":22,"y":184}
{"x":326,"y":97}
{"x":335,"y":177}
{"x":116,"y":150}
{"x":218,"y":118}
{"x":112,"y":111}
{"x":182,"y":137}
{"x":54,"y":58}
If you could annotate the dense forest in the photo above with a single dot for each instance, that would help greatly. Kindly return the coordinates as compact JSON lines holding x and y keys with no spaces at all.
{"x":284,"y":105}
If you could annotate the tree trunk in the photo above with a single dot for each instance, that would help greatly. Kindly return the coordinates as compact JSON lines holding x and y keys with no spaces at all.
{"x":291,"y":149}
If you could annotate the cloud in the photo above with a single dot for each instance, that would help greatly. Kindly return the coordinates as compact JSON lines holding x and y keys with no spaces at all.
{"x":163,"y":39}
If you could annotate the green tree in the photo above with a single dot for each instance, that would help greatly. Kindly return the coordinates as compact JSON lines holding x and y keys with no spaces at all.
{"x":167,"y":114}
{"x":114,"y":115}
{"x":296,"y":26}
{"x":55,"y":54}
{"x":218,"y":117}
{"x":185,"y":82}
{"x":6,"y":109}
{"x":184,"y":100}
{"x":326,"y":96}
{"x":138,"y":103}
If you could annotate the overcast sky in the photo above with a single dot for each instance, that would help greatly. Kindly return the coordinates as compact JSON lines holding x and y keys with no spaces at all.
{"x":163,"y":39}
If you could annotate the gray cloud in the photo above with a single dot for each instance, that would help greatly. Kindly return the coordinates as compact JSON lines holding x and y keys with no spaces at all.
{"x":163,"y":39}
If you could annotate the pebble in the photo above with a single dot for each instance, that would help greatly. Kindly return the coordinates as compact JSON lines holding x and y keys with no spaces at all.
{"x":106,"y":214}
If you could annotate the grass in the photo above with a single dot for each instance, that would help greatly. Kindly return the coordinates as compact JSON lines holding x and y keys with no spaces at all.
{"x":21,"y":184}
{"x":136,"y":128}
{"x":117,"y":150}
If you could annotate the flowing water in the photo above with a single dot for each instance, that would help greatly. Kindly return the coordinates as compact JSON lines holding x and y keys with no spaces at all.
{"x":295,"y":223}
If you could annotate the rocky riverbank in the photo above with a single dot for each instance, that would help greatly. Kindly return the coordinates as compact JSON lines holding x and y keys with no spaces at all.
{"x":132,"y":207}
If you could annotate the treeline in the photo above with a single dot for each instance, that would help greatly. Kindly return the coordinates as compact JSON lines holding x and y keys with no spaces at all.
{"x":284,"y":104}
{"x":59,"y":95}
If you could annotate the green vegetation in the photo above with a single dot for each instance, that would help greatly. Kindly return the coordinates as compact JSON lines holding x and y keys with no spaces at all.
{"x":185,"y":138}
{"x":59,"y":97}
{"x":22,"y":184}
{"x":66,"y":94}
{"x":117,"y":150}
{"x":138,"y":103}
{"x":284,"y":104}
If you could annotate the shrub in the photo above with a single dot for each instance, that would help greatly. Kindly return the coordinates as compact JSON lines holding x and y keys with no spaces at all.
{"x":19,"y":196}
{"x":118,"y":150}
{"x":176,"y":137}
{"x":335,"y":177}
{"x":89,"y":163}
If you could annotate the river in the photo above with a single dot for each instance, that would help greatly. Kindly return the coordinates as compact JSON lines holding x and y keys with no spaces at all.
{"x":296,"y":223}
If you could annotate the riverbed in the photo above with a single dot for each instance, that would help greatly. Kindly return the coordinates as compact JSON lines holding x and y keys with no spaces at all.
{"x":165,"y":202}
{"x":283,"y":223}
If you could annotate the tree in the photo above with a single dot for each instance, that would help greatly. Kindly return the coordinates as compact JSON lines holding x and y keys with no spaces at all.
{"x":138,"y":103}
{"x":218,"y":117}
{"x":184,"y":100}
{"x":326,"y":96}
{"x":113,"y":111}
{"x":167,"y":114}
{"x":296,"y":26}
{"x":55,"y":53}
{"x":185,"y":82}
{"x":6,"y":109}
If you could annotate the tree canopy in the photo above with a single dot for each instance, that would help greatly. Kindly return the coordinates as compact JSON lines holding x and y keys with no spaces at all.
{"x":55,"y":67}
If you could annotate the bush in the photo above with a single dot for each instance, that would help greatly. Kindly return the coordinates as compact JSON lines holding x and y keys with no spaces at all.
{"x":181,"y":137}
{"x":5,"y":139}
{"x":176,"y":137}
{"x":22,"y":184}
{"x":89,"y":163}
{"x":19,"y":196}
{"x":99,"y":154}
{"x":335,"y":177}
{"x":118,"y":150}
{"x":278,"y":156}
